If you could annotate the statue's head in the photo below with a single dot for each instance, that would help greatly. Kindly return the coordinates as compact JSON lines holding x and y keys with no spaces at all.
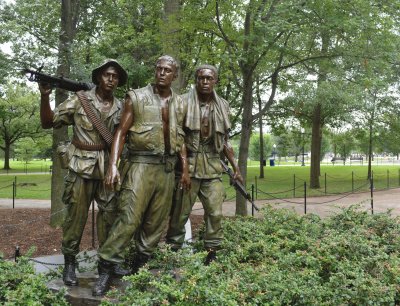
{"x":166,"y":70}
{"x":97,"y":72}
{"x":206,"y":77}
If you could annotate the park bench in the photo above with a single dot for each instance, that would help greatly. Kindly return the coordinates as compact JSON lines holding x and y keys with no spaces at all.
{"x":335,"y":159}
{"x":356,"y":159}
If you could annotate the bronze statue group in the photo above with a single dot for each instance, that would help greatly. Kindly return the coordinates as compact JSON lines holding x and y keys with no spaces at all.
{"x":172,"y":148}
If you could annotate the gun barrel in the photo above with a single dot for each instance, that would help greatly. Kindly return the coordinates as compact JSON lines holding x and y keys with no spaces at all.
{"x":60,"y":82}
{"x":238,"y":186}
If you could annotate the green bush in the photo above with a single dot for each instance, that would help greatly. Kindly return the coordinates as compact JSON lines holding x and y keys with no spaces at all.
{"x":20,"y":286}
{"x":351,"y":258}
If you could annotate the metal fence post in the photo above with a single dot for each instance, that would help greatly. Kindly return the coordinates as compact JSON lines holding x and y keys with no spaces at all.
{"x":15,"y":189}
{"x":387,"y":176}
{"x":305,"y":198}
{"x":255,"y":181}
{"x":294,"y":184}
{"x":13,"y":195}
{"x":352,"y":181}
{"x":252,"y":198}
{"x":372,"y":192}
{"x":325,"y":182}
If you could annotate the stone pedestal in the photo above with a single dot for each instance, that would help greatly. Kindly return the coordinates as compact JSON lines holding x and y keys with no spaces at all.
{"x":82,"y":294}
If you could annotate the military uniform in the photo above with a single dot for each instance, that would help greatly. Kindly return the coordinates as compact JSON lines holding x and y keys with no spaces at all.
{"x":86,"y":167}
{"x":147,"y":175}
{"x":205,"y":128}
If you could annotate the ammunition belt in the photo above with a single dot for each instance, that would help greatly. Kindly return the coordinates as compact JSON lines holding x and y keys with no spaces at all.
{"x":88,"y":146}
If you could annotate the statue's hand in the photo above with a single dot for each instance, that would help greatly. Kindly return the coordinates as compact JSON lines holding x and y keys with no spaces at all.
{"x":184,"y":182}
{"x":238,"y":176}
{"x":112,"y":177}
{"x":45,"y":89}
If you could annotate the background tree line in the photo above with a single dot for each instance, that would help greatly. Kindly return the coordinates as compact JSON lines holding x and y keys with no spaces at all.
{"x":306,"y":68}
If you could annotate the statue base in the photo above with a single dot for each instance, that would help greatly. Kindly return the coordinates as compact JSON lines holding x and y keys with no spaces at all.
{"x":82,"y":294}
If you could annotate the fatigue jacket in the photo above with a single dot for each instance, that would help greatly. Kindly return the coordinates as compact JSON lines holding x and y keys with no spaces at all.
{"x":87,"y":164}
{"x":146,"y":136}
{"x":204,"y":154}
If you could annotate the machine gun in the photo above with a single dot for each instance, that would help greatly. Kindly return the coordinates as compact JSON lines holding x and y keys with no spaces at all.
{"x":54,"y":81}
{"x":238,"y":185}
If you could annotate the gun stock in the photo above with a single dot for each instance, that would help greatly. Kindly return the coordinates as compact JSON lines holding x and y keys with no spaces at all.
{"x":54,"y":81}
{"x":238,"y":185}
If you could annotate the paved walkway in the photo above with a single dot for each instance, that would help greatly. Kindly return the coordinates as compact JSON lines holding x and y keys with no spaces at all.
{"x":323,"y":206}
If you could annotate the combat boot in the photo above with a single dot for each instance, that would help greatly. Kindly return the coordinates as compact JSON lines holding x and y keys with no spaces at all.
{"x":139,"y":261}
{"x":211,"y":256}
{"x":106,"y":270}
{"x":119,"y":271}
{"x":69,"y":276}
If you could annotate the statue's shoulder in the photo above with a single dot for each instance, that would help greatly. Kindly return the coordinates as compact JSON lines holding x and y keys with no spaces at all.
{"x":139,"y":94}
{"x":223,"y":102}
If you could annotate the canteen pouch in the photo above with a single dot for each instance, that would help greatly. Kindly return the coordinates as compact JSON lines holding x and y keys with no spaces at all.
{"x":62,"y":152}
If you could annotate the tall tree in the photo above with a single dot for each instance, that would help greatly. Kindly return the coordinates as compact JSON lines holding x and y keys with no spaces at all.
{"x":19,"y":118}
{"x":70,"y":10}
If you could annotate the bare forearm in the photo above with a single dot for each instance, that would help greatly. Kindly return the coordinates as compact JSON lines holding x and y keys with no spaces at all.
{"x":183,"y":158}
{"x":117,"y":146}
{"x":230,"y":155}
{"x":46,"y":114}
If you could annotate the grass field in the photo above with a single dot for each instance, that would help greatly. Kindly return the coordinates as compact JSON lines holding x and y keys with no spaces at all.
{"x":279,"y":182}
{"x":33,"y":166}
{"x":288,"y":181}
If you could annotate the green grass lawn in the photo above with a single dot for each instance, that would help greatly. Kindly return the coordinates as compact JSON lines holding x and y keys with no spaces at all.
{"x":33,"y":166}
{"x":280,"y":181}
{"x":288,"y":181}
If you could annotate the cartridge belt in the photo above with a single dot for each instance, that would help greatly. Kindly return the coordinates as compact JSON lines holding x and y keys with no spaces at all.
{"x":88,"y":146}
{"x":152,"y":159}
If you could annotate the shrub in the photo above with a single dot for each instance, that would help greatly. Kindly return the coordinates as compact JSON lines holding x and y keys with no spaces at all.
{"x":20,"y":286}
{"x":351,"y":258}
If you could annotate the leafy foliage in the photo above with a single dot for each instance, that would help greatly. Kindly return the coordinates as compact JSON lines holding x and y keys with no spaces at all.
{"x":20,"y":286}
{"x":351,"y":258}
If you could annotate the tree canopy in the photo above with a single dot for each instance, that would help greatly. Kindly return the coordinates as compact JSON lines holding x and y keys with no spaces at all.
{"x":305,"y":64}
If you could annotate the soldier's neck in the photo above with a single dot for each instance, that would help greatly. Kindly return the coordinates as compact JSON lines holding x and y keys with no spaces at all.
{"x":103,"y":95}
{"x":163,"y":92}
{"x":205,"y":98}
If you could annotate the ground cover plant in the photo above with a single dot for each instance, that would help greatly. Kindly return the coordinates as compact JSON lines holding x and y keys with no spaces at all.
{"x":282,"y":258}
{"x":20,"y":286}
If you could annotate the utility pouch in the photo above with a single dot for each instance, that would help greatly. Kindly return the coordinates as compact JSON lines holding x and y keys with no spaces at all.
{"x":62,"y":152}
{"x":170,"y":163}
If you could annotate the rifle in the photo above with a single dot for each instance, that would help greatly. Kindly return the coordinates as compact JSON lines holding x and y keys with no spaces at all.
{"x":238,"y":185}
{"x":54,"y":81}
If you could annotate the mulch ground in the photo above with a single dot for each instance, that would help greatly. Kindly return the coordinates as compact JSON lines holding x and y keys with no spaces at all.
{"x":28,"y":228}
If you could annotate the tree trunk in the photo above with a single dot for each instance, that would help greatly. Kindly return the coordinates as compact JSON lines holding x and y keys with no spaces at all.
{"x":317,"y":124}
{"x":69,"y":11}
{"x":7,"y":148}
{"x":261,"y":141}
{"x":369,"y":174}
{"x":170,"y":29}
{"x":247,"y":100}
{"x":316,"y":147}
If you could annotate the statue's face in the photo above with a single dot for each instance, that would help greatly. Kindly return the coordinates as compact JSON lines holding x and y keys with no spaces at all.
{"x":205,"y":81}
{"x":165,"y":73}
{"x":108,"y":79}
